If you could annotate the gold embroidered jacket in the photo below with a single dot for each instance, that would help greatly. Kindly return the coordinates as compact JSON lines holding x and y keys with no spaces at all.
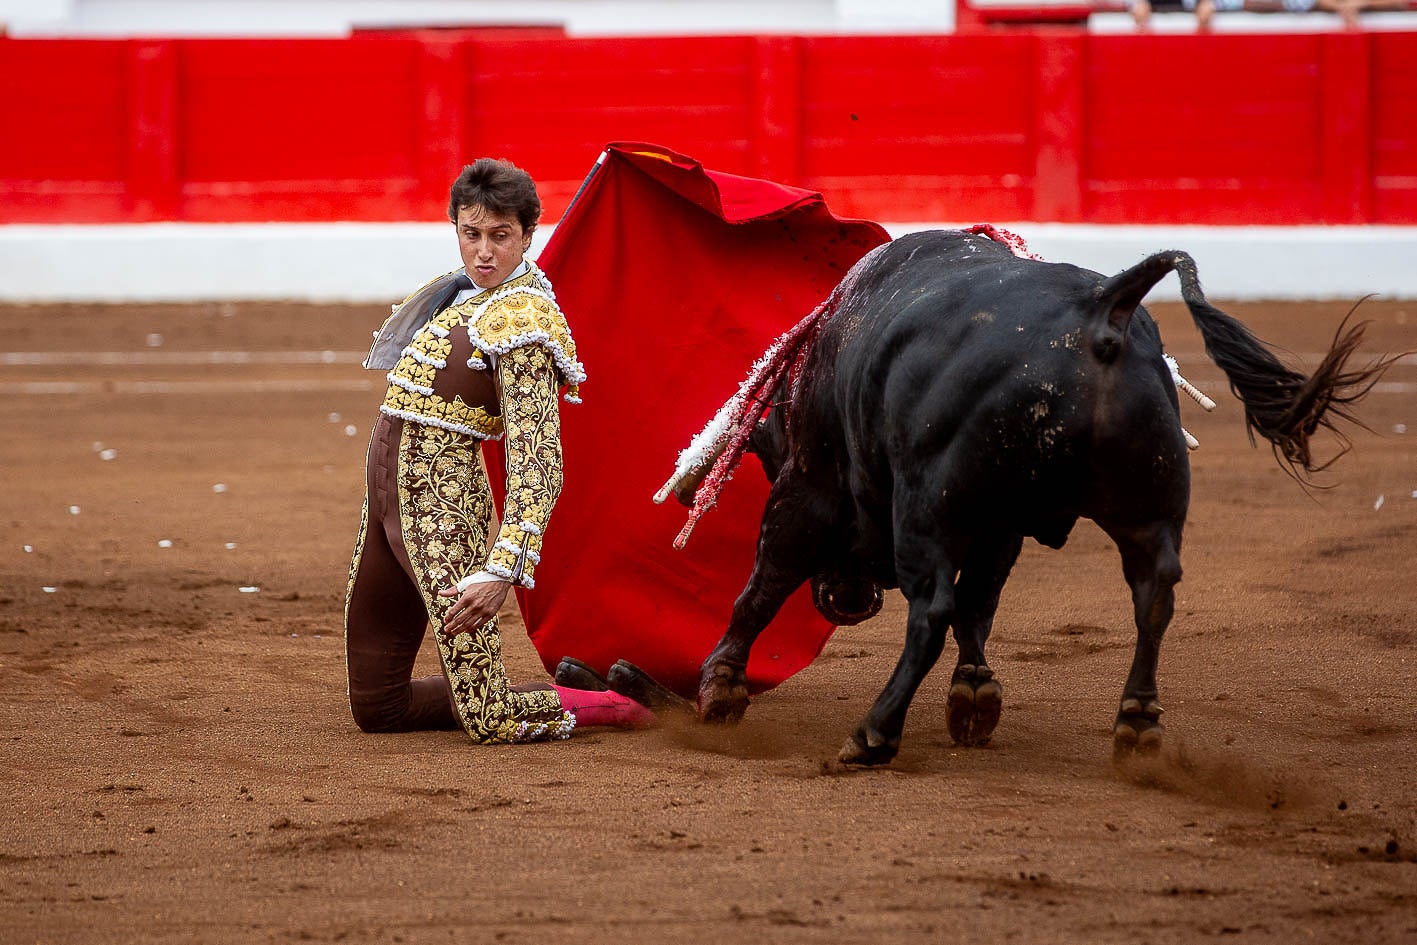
{"x":490,"y":367}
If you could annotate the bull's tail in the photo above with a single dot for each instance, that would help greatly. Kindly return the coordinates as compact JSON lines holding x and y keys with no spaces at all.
{"x":1282,"y":405}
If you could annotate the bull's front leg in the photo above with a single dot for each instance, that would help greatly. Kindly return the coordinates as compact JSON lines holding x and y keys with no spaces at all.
{"x":1152,"y":565}
{"x":723,"y":678}
{"x":796,"y":527}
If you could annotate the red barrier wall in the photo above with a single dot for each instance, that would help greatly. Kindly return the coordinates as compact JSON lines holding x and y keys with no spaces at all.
{"x":1043,"y":125}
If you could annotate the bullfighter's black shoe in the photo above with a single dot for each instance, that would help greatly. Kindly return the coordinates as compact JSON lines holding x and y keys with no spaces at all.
{"x":629,"y":680}
{"x":573,"y":674}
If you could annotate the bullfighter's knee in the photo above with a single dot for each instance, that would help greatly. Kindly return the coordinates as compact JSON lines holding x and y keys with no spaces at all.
{"x":376,"y":714}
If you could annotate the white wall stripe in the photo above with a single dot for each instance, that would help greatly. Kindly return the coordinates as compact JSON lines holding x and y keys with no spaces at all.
{"x":371,"y":262}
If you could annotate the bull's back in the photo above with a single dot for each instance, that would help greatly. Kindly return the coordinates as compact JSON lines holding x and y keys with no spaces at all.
{"x":963,"y":369}
{"x":947,"y":341}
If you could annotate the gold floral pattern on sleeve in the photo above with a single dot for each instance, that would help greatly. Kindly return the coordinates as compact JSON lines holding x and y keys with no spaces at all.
{"x":534,"y":474}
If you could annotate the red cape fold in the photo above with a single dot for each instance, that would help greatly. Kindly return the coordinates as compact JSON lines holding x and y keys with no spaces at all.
{"x":674,"y":279}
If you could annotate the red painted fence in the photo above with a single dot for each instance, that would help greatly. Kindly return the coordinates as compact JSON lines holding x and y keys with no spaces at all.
{"x":1037,"y":125}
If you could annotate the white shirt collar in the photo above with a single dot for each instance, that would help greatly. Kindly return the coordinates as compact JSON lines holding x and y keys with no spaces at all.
{"x":466,"y":294}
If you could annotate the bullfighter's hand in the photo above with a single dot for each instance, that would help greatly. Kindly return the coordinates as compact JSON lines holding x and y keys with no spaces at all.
{"x":473,"y":607}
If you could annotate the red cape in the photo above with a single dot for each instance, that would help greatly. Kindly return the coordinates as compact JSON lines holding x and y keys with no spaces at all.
{"x":674,"y":279}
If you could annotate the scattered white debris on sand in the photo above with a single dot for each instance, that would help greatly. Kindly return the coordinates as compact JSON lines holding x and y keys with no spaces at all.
{"x":350,"y":430}
{"x":333,"y":417}
{"x":248,"y":589}
{"x":1379,"y":504}
{"x":219,"y":487}
{"x":107,"y":455}
{"x":231,"y":546}
{"x":73,"y":510}
{"x":1399,"y":428}
{"x":154,"y":340}
{"x":29,"y":549}
{"x":49,"y":590}
{"x":165,"y":543}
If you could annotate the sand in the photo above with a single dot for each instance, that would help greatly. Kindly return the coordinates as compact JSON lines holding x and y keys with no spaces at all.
{"x":178,"y":762}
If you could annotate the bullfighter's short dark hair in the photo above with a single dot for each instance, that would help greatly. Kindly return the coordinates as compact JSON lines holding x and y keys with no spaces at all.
{"x":498,"y":186}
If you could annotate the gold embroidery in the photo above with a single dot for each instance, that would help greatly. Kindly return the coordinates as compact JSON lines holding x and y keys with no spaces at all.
{"x":445,"y":506}
{"x":433,"y":410}
{"x":358,"y":553}
{"x":435,"y":348}
{"x":354,"y":573}
{"x":518,"y":314}
{"x":431,"y":342}
{"x":513,"y":315}
{"x":534,"y":476}
{"x":521,"y":313}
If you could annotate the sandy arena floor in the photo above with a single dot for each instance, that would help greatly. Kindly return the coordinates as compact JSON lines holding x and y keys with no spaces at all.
{"x":178,"y":763}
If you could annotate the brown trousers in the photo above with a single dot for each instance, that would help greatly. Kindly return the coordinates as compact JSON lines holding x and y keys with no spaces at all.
{"x":427,"y":514}
{"x":385,"y":617}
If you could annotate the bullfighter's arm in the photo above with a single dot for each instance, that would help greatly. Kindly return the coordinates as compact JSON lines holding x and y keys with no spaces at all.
{"x":529,"y":382}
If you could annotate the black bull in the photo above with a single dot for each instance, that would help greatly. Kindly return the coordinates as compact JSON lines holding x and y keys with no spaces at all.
{"x":958,"y":400}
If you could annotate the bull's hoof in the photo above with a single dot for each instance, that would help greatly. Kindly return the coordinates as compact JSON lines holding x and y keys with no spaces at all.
{"x":723,"y":694}
{"x":868,"y":748}
{"x":974,"y":704}
{"x":1138,"y":729}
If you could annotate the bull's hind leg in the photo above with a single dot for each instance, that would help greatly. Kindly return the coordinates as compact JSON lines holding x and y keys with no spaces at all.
{"x":796,"y":525}
{"x":1152,"y":564}
{"x":877,"y":739}
{"x":976,"y":698}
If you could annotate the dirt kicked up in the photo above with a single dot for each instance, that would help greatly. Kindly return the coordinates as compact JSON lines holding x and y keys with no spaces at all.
{"x":181,"y":488}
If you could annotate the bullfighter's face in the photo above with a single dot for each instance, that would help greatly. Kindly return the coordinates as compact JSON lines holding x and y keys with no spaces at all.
{"x":491,"y":245}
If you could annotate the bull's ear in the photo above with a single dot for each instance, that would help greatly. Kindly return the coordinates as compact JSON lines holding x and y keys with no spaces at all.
{"x":1120,"y":295}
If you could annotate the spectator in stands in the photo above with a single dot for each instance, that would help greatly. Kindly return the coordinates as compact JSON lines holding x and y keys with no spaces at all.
{"x":1205,"y":10}
{"x":1143,"y":9}
{"x":1347,"y":10}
